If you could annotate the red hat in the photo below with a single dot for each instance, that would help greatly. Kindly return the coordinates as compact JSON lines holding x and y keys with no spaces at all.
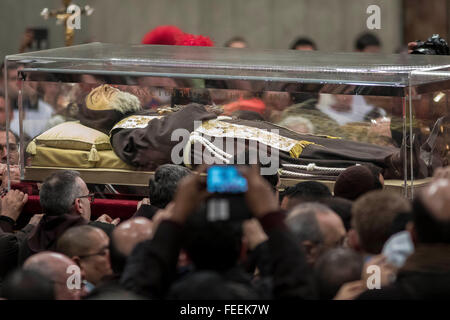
{"x":188,"y":39}
{"x":253,"y":104}
{"x":172,"y":35}
{"x":165,"y":35}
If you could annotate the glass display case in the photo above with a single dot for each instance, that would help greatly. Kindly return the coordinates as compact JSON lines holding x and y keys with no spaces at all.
{"x":105,"y":111}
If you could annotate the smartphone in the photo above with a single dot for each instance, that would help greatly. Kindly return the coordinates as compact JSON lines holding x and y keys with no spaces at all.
{"x":225,"y":179}
{"x":228,"y":187}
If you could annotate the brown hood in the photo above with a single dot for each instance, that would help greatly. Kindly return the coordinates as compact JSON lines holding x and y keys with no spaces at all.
{"x":50,"y":228}
{"x":102,"y":120}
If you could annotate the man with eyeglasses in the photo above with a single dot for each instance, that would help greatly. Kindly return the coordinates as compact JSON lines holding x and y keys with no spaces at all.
{"x":13,"y":156}
{"x":88,"y":247}
{"x":66,"y":203}
{"x":316,"y":228}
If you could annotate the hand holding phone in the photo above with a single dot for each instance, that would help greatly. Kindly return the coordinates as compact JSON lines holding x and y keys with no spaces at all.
{"x":223,"y":179}
{"x":227,"y":186}
{"x":239,"y":193}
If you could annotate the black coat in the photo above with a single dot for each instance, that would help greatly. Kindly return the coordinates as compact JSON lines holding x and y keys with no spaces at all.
{"x":413,"y":286}
{"x":16,"y":247}
{"x":146,"y":211}
{"x":425,"y":275}
{"x":151,"y":268}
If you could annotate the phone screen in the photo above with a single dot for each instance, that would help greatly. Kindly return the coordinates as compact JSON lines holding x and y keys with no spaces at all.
{"x":225,"y":179}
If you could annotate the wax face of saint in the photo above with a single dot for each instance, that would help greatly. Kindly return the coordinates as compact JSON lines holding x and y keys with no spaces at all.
{"x":101,"y":97}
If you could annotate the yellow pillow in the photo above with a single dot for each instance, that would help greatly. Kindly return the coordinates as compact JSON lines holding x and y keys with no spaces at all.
{"x":73,"y":135}
{"x":67,"y":158}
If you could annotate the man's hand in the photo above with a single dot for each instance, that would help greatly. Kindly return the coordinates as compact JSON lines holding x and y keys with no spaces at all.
{"x":3,"y":167}
{"x":191,"y":191}
{"x":259,"y":196}
{"x":387,"y":271}
{"x":14,"y":172}
{"x":162,"y":214}
{"x":145,"y":201}
{"x":36,"y":219}
{"x":12,"y":204}
{"x":254,"y":234}
{"x":411,"y":46}
{"x":107,"y":219}
{"x":351,"y":290}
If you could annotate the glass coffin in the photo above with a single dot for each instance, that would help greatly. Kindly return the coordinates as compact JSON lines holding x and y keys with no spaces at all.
{"x":115,"y":112}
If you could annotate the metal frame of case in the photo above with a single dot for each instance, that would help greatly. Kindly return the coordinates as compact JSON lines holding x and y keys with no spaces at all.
{"x":272,"y":70}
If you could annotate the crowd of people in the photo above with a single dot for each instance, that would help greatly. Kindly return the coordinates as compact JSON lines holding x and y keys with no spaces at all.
{"x":303,"y":242}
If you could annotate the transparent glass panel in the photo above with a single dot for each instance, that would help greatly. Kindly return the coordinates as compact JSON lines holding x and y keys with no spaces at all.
{"x":373,"y":104}
{"x":430,"y":119}
{"x":226,"y":63}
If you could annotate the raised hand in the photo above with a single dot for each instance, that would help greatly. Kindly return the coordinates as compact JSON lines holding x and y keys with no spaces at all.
{"x":36,"y":219}
{"x":12,"y":204}
{"x":253,"y":233}
{"x":107,"y":219}
{"x":190,"y":193}
{"x":351,"y":290}
{"x":411,"y":46}
{"x":259,"y":196}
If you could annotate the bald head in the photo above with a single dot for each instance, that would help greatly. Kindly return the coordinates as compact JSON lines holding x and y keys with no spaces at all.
{"x":50,"y":264}
{"x":129,"y":233}
{"x":54,"y":266}
{"x":436,"y":198}
{"x":89,"y":247}
{"x":431,"y":214}
{"x":77,"y":241}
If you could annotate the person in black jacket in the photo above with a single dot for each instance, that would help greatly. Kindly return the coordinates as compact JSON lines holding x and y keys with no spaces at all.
{"x":426,"y":273}
{"x":151,"y":268}
{"x":66,"y":202}
{"x":11,"y":207}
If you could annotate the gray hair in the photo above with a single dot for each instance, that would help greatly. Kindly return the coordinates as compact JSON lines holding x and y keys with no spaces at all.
{"x":302,"y":222}
{"x":164,"y":184}
{"x":59,"y":191}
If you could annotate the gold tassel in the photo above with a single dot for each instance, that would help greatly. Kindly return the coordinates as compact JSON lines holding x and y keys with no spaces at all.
{"x":297,"y":150}
{"x":31,"y":148}
{"x":93,"y":155}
